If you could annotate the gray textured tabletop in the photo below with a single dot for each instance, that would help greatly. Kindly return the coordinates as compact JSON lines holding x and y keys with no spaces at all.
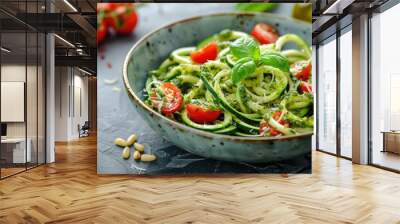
{"x":117,"y":116}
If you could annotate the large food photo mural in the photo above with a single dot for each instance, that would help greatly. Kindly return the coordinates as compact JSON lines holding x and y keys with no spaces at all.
{"x":204,"y":88}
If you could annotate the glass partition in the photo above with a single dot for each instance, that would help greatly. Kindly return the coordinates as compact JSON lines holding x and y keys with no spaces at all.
{"x":346,"y":92}
{"x":23,"y":91}
{"x":32,"y":98}
{"x":14,"y":145}
{"x":327,"y":96}
{"x":385,"y":90}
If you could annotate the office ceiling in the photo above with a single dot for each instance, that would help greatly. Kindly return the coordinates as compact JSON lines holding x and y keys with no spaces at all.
{"x":15,"y":42}
{"x":330,"y":15}
{"x":40,"y":5}
{"x":76,"y":23}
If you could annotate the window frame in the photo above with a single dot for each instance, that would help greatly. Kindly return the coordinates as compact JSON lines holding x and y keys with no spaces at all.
{"x":337,"y":34}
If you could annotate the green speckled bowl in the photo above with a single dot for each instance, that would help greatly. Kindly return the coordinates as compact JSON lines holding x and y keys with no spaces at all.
{"x":151,"y":50}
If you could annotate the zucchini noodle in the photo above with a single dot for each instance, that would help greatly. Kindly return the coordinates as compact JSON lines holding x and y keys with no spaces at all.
{"x":245,"y":108}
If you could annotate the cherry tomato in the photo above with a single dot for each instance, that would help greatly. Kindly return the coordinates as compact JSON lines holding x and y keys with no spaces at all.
{"x":125,"y":19}
{"x":301,"y":70}
{"x":107,"y":7}
{"x":305,"y":87}
{"x":200,"y":114}
{"x":101,"y":33}
{"x":104,"y":13}
{"x":264,"y":126}
{"x":273,"y":132}
{"x":121,"y":17}
{"x":170,"y":101}
{"x":209,"y":52}
{"x":278,"y":117}
{"x":264,"y":33}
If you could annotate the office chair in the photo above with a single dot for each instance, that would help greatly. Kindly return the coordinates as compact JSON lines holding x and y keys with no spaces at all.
{"x":84,"y":130}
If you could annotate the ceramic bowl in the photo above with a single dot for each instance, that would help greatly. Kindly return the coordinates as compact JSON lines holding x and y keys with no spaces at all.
{"x":151,"y":50}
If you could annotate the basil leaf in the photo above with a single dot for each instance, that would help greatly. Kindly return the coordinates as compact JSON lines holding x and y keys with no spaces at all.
{"x":245,"y":47}
{"x":242,"y":69}
{"x":275,"y":60}
{"x":256,"y":7}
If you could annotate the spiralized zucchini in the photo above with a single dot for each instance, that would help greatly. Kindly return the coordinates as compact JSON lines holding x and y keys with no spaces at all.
{"x":256,"y":90}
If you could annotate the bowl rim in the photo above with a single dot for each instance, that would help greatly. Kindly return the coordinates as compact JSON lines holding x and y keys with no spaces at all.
{"x":183,"y":127}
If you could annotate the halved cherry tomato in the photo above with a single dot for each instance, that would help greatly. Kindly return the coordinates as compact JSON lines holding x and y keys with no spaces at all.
{"x":278,"y":117}
{"x":273,"y":132}
{"x":264,"y":126}
{"x":264,"y":33}
{"x":170,"y":101}
{"x":305,"y":87}
{"x":209,"y":52}
{"x":301,"y":70}
{"x":200,"y":114}
{"x":101,"y":33}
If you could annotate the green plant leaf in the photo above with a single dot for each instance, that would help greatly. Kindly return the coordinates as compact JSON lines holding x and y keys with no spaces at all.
{"x":275,"y":60}
{"x":242,"y":69}
{"x":256,"y":7}
{"x":245,"y":47}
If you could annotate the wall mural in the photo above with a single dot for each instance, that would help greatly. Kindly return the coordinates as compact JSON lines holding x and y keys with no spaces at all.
{"x":219,"y":88}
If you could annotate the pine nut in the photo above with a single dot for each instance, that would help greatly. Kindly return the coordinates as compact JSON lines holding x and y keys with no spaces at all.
{"x":147,"y":158}
{"x":110,"y":81}
{"x":126,"y":153}
{"x":120,"y":142}
{"x":136,"y":155}
{"x":139,"y":147}
{"x":131,"y":139}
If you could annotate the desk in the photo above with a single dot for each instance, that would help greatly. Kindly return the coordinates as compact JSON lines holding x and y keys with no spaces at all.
{"x":391,"y":141}
{"x":18,"y":151}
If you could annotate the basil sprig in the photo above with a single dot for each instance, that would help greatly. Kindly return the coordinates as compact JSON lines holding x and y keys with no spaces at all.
{"x":242,"y":68}
{"x":245,"y":47}
{"x":247,"y":50}
{"x":275,"y":60}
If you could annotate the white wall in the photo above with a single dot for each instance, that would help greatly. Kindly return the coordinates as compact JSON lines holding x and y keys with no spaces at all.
{"x":12,"y":101}
{"x":71,"y":93}
{"x":80,"y":110}
{"x":9,"y":73}
{"x":62,"y":81}
{"x":33,"y":126}
{"x":12,"y":73}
